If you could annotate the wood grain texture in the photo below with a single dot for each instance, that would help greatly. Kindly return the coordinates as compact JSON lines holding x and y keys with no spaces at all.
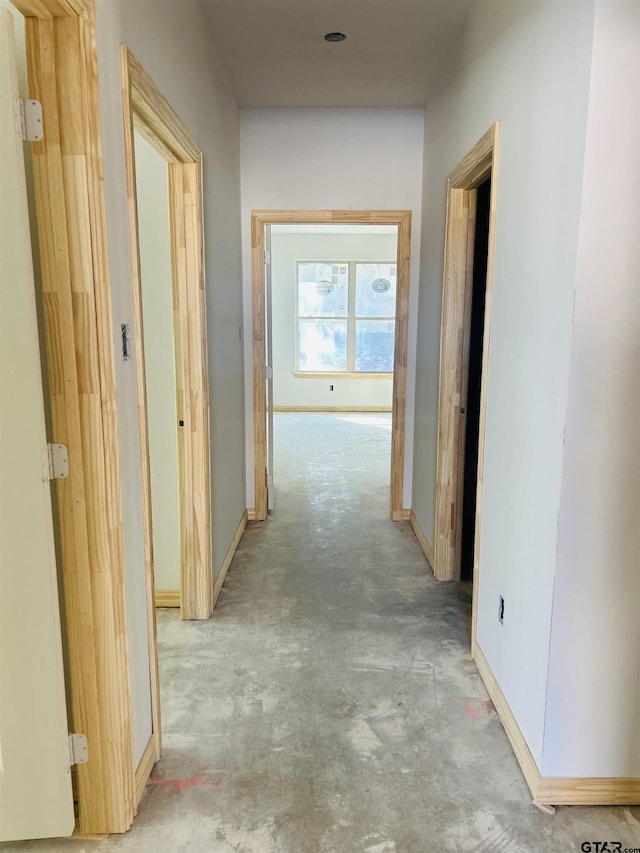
{"x":493,"y":208}
{"x":457,"y":290}
{"x":155,"y":118}
{"x":80,"y":366}
{"x":167,"y":598}
{"x":516,"y":738}
{"x":588,"y":791}
{"x":147,"y":111}
{"x":260,"y":218}
{"x":231,"y":550}
{"x":549,"y":791}
{"x":46,"y":9}
{"x":144,"y":768}
{"x":422,"y":538}
{"x":141,"y":388}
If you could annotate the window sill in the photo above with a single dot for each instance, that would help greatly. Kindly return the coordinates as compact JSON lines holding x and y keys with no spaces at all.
{"x":342,"y":375}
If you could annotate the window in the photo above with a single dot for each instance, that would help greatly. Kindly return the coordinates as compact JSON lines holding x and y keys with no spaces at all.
{"x":346,"y":317}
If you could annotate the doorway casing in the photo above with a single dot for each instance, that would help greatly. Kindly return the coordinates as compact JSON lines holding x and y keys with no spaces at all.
{"x":148,"y":112}
{"x":260,"y":218}
{"x":480,"y":163}
{"x":79,"y":353}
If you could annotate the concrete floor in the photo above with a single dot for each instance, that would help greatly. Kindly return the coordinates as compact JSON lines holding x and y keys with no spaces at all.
{"x":331,"y":703}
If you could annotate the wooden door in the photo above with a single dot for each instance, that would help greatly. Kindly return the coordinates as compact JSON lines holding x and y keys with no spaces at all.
{"x":35,"y":783}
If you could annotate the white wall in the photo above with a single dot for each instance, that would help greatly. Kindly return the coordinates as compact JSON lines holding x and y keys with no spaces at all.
{"x":287,"y":249}
{"x":593,"y":710}
{"x":331,"y":159}
{"x":526,"y":64}
{"x":157,"y":311}
{"x":170,"y":39}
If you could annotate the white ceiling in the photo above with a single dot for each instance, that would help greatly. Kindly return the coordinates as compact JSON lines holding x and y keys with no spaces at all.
{"x":275,"y":55}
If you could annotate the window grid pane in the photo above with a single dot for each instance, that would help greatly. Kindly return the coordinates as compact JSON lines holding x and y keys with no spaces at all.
{"x":374,"y":346}
{"x":346,"y":316}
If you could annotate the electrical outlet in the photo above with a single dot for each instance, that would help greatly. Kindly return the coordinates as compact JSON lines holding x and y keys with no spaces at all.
{"x":501,"y":610}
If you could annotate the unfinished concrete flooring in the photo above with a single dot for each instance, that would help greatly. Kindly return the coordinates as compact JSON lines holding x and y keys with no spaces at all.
{"x":331,"y":703}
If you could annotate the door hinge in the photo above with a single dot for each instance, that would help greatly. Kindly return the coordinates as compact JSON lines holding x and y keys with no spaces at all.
{"x":78,"y":749}
{"x":269,"y":372}
{"x":269,"y":481}
{"x":31,"y":120}
{"x":56,"y":462}
{"x":267,"y":256}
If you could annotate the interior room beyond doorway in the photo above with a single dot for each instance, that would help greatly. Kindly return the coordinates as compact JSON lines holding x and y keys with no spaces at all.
{"x":333,"y":300}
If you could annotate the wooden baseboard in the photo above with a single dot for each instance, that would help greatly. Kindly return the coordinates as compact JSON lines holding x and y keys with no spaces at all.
{"x":422,"y":539}
{"x":406,"y":515}
{"x":144,"y":768}
{"x":588,"y":791}
{"x":548,"y":791}
{"x":332,"y":409}
{"x":222,"y":574}
{"x":523,"y":755}
{"x":167,"y":598}
{"x":251,"y":514}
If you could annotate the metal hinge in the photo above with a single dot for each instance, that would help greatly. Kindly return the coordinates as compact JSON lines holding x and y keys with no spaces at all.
{"x":269,"y":481}
{"x":269,"y":372}
{"x":31,"y":120}
{"x":57,"y":462}
{"x":267,"y":256}
{"x":78,"y":749}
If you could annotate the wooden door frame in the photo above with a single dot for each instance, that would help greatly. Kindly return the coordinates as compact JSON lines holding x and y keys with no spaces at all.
{"x":457,"y":287}
{"x":147,"y":111}
{"x":401,"y":218}
{"x":79,"y":351}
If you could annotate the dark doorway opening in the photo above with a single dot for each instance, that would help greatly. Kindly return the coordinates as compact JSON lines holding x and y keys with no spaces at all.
{"x":476,"y":335}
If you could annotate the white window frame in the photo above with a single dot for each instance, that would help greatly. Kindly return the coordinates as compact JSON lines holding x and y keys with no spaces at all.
{"x":350,"y":317}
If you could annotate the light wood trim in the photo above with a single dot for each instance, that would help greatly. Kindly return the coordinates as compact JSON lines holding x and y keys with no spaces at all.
{"x":589,"y":791}
{"x":47,"y":9}
{"x":516,"y":738}
{"x":155,"y":118}
{"x":421,"y":537}
{"x":457,"y":286}
{"x":231,"y":550}
{"x":488,"y":304}
{"x":406,"y":514}
{"x":144,"y":768}
{"x":298,"y":375}
{"x":167,"y":598}
{"x":381,"y":409}
{"x":80,"y":365}
{"x":141,"y":385}
{"x":251,"y":514}
{"x":475,"y":167}
{"x":147,"y":111}
{"x":401,"y":218}
{"x":549,"y":791}
{"x":192,"y":389}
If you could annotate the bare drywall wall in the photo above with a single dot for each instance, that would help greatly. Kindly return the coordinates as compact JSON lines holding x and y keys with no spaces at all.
{"x":157,"y":314}
{"x":593,"y":709}
{"x":527,"y":65}
{"x":170,"y":39}
{"x":301,"y":159}
{"x":286,"y":250}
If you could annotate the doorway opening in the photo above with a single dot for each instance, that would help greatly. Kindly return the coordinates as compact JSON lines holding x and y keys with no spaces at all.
{"x":345,"y":331}
{"x":330,"y":303}
{"x":176,"y":325}
{"x":464,"y":356}
{"x":474,"y":378}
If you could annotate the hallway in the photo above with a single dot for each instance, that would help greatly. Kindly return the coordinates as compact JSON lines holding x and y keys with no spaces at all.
{"x":331,"y":704}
